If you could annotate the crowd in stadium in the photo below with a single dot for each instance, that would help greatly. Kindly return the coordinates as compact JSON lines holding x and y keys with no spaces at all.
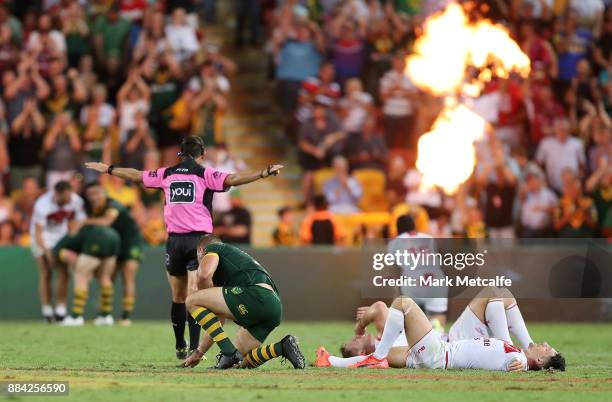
{"x":124,"y":81}
{"x":544,"y":167}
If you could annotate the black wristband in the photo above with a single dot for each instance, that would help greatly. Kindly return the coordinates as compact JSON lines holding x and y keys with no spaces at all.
{"x":110,"y":170}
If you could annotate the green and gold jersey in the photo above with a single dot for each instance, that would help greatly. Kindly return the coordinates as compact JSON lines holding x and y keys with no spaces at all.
{"x":124,"y":224}
{"x":237,"y":268}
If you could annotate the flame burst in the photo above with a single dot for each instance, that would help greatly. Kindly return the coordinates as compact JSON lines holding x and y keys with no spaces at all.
{"x":449,"y":45}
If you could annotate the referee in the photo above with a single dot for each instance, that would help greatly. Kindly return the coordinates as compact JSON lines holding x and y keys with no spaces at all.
{"x":188,"y":191}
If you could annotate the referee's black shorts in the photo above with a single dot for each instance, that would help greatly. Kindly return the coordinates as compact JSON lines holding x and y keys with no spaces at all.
{"x":182,"y":252}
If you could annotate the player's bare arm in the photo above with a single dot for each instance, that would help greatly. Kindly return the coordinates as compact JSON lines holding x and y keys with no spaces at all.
{"x":134,"y":175}
{"x":240,"y":178}
{"x":206,"y":270}
{"x":375,"y":313}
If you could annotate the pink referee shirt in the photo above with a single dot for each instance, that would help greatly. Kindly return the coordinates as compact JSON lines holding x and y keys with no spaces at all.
{"x":188,"y":191}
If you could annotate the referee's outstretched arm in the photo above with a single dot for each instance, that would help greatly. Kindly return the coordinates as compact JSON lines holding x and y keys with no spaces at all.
{"x":234,"y":179}
{"x":123,"y":173}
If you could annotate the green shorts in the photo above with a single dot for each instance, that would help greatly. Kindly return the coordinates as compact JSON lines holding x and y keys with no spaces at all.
{"x":255,"y":308}
{"x":131,"y":248}
{"x":100,"y":242}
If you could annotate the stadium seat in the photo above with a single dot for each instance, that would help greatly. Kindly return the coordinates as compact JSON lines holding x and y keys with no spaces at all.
{"x":373,"y":183}
{"x":320,"y":177}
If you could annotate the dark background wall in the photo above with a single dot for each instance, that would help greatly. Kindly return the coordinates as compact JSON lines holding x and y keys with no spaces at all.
{"x":315,"y":284}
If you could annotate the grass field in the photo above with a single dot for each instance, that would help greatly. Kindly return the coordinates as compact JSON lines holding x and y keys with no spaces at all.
{"x":137,"y":363}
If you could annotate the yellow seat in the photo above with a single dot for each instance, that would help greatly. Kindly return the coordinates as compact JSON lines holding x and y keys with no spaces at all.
{"x":319,"y":179}
{"x":373,"y":183}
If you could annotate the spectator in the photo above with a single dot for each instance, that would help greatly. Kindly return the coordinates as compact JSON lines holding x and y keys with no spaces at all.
{"x":27,"y":84}
{"x":599,"y":186}
{"x":537,"y":205}
{"x":9,"y":53}
{"x":323,"y":86}
{"x":396,"y":190}
{"x":298,"y":52}
{"x":601,"y":148}
{"x":62,"y":145}
{"x":427,"y":197}
{"x":284,"y":234}
{"x":98,"y":119}
{"x":247,"y":13}
{"x":348,"y":45}
{"x":46,"y":36}
{"x":154,"y":228}
{"x":397,"y":94}
{"x":559,"y":152}
{"x":215,"y":88}
{"x":342,"y":191}
{"x":164,"y":81}
{"x":220,"y":159}
{"x":318,"y":140}
{"x":6,"y":205}
{"x":498,"y":182}
{"x":138,"y":143}
{"x":76,"y":32}
{"x":110,"y":39}
{"x":366,"y":149}
{"x":25,"y":143}
{"x":320,"y":226}
{"x":355,"y":106}
{"x":234,"y":226}
{"x":575,"y":215}
{"x":7,"y":233}
{"x":181,"y":36}
{"x":24,"y":203}
{"x":133,"y":98}
{"x":61,"y":99}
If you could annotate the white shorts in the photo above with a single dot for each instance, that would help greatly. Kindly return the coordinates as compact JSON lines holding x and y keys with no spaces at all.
{"x":430,"y":352}
{"x":437,"y":305}
{"x":468,"y":326}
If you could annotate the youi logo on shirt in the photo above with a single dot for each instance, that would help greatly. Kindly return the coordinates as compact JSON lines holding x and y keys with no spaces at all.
{"x":182,"y":192}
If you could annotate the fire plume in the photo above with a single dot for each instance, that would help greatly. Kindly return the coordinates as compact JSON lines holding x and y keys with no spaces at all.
{"x":449,"y":46}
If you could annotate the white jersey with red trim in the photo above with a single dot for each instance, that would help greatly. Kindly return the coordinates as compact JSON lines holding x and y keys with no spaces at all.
{"x":484,"y":354}
{"x":433,"y":299}
{"x":54,"y":219}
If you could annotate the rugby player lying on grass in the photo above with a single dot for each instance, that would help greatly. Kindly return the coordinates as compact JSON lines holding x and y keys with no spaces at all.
{"x":464,"y":349}
{"x":235,"y":286}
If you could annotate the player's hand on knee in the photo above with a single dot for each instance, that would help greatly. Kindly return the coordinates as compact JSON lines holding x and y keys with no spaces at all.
{"x":193,"y":360}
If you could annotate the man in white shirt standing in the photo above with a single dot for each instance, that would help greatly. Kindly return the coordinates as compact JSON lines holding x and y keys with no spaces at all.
{"x":53,"y":211}
{"x":397,"y":94}
{"x":560,"y":152}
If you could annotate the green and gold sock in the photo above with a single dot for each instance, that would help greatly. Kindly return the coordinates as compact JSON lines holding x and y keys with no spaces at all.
{"x":78,"y":302}
{"x":211,"y":324}
{"x":106,"y":300}
{"x":128,"y":307}
{"x":262,"y":354}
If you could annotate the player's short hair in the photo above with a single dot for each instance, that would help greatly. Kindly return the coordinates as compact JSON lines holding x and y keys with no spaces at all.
{"x":62,"y":186}
{"x":320,"y":202}
{"x":192,"y":147}
{"x":556,"y":362}
{"x":405,"y":224}
{"x":207,"y":239}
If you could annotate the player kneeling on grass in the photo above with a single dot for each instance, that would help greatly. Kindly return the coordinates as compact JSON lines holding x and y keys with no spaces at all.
{"x":427,"y":350}
{"x":233,"y":285}
{"x":91,"y":251}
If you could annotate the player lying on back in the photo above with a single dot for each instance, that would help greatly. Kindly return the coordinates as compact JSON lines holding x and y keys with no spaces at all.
{"x":496,"y":307}
{"x":427,"y":350}
{"x":233,"y":285}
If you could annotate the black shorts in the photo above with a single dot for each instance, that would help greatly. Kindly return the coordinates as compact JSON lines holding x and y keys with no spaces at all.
{"x":182,"y":252}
